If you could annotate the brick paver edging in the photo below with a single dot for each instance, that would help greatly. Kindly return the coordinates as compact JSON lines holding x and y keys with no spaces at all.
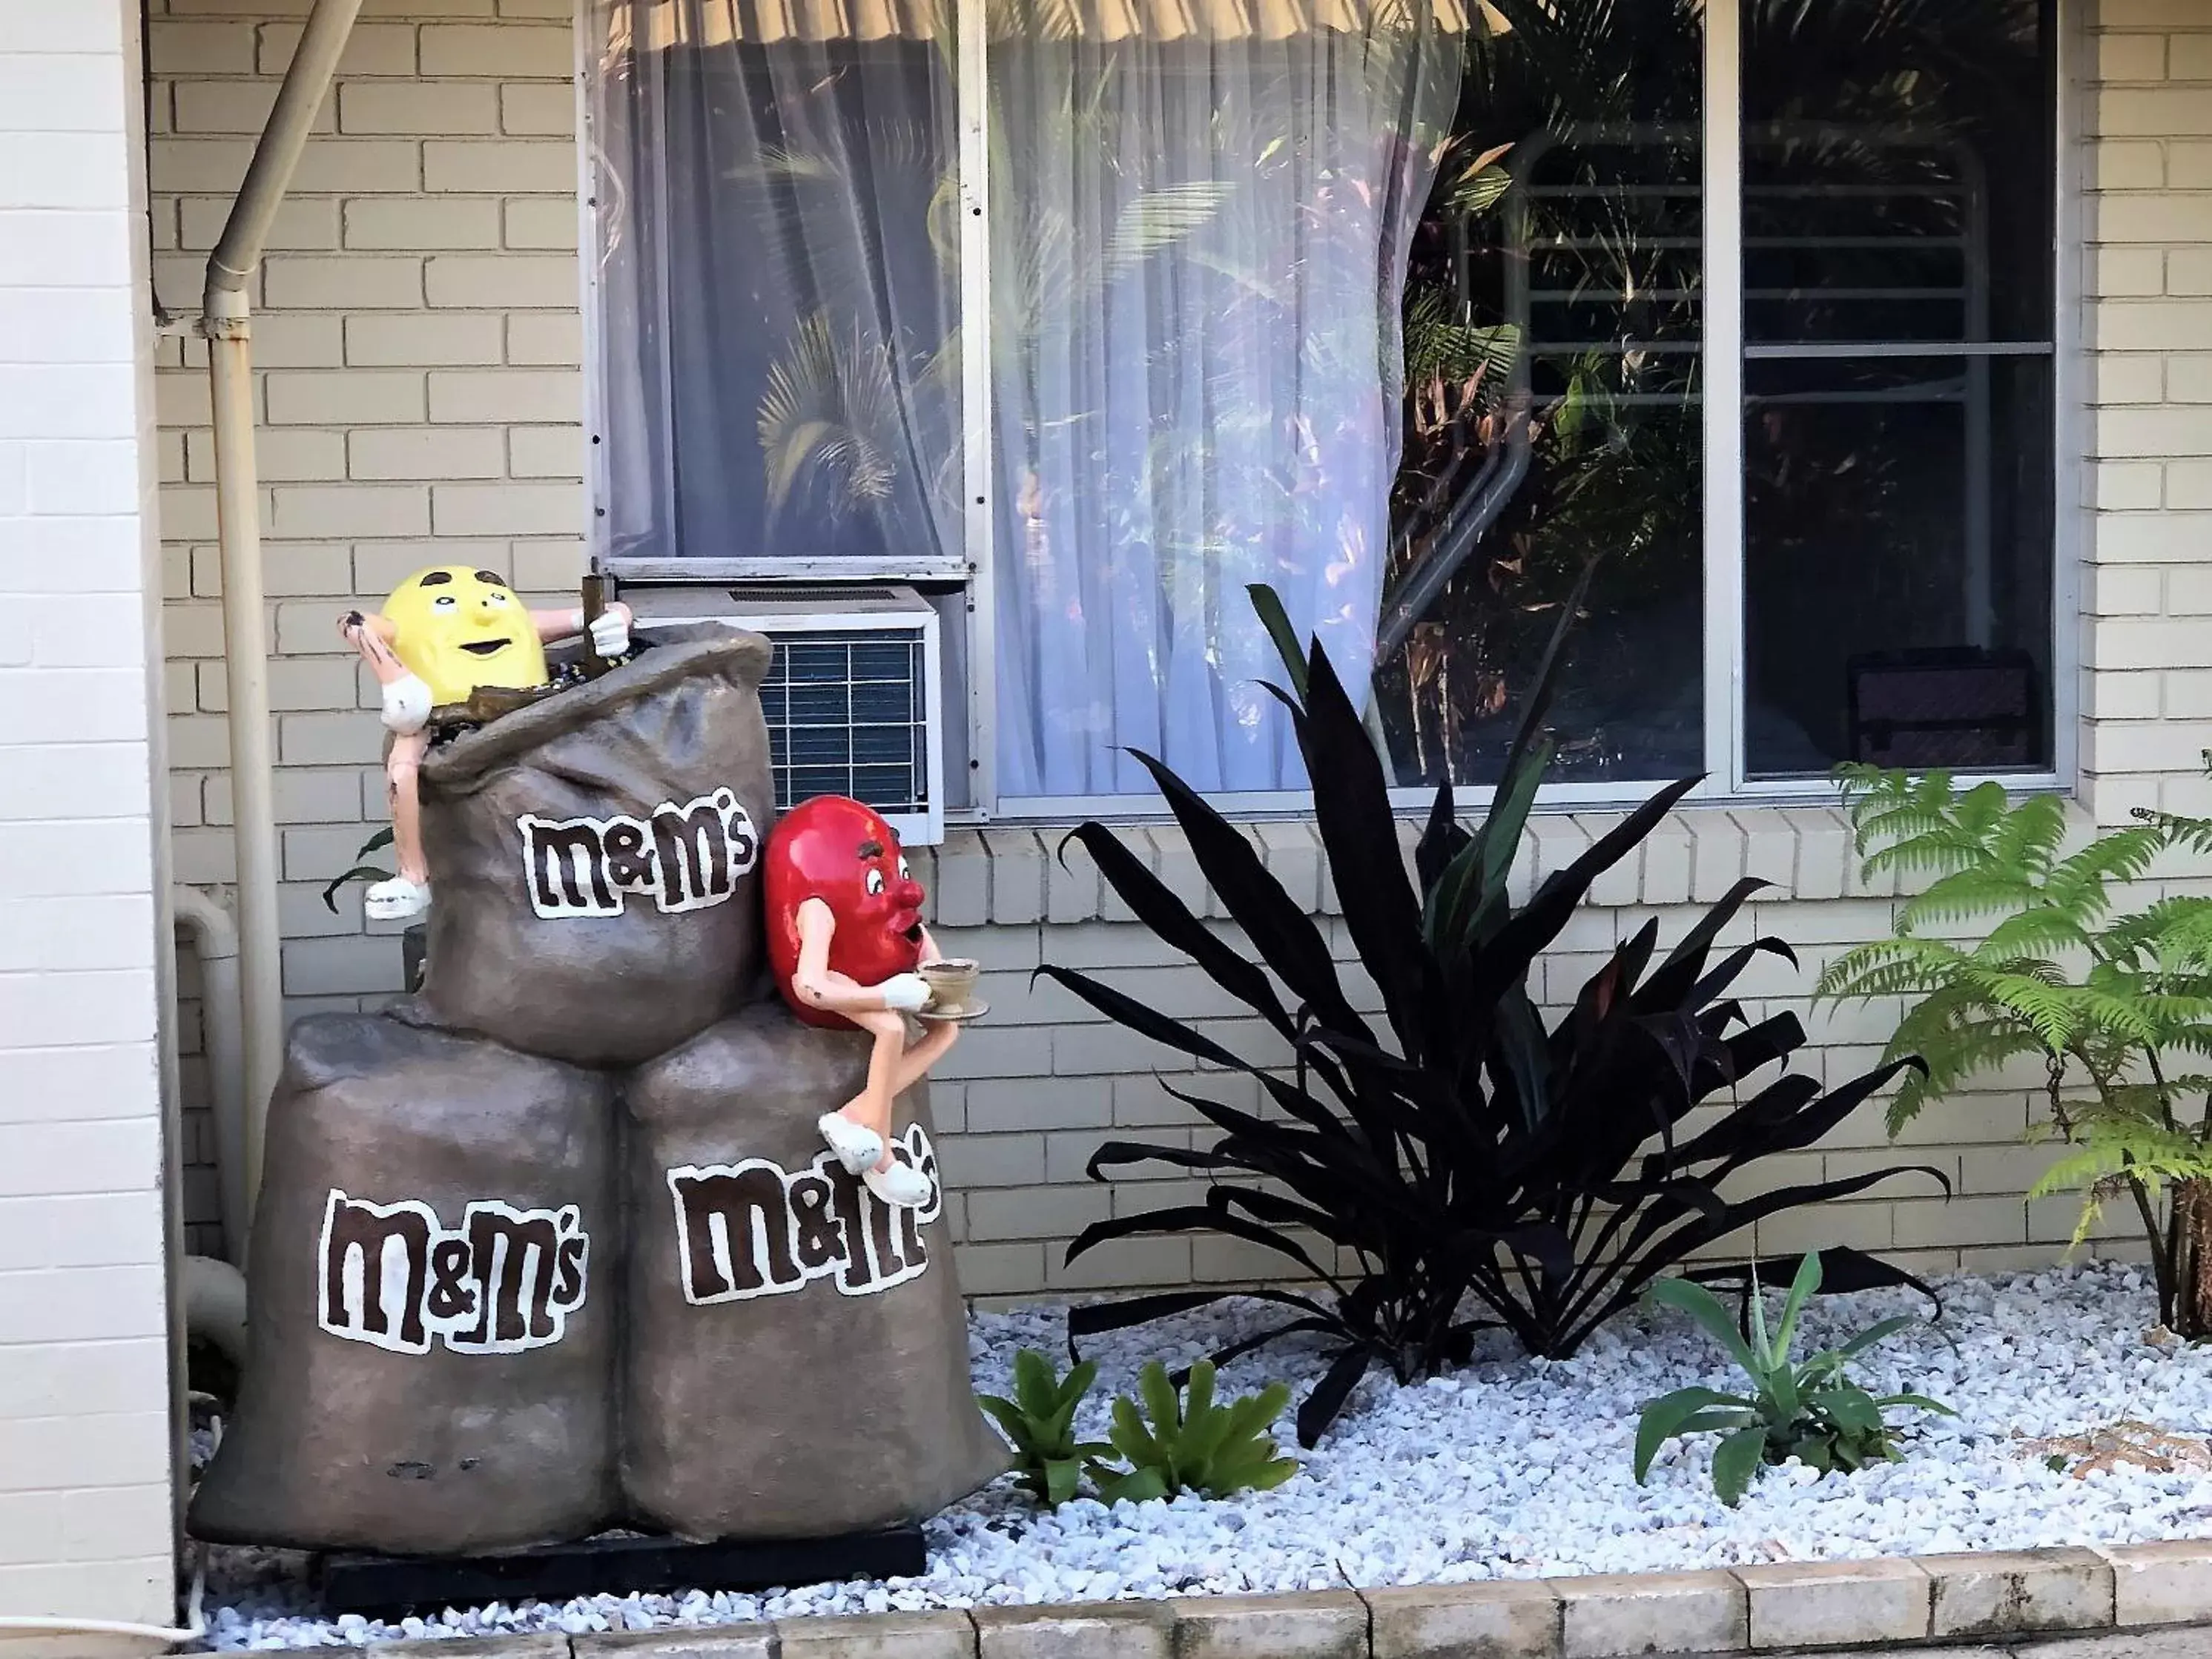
{"x":1791,"y":1607}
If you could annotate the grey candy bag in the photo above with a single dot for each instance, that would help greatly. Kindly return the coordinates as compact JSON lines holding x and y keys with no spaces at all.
{"x":595,"y":856}
{"x":795,"y":1361}
{"x":435,"y":1256}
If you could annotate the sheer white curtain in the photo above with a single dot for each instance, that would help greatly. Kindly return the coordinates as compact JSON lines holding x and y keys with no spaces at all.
{"x":1199,"y":222}
{"x":778,"y":293}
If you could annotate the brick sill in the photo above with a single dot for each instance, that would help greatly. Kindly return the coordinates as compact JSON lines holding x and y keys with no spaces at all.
{"x":1785,"y":1607}
{"x":1011,"y":876}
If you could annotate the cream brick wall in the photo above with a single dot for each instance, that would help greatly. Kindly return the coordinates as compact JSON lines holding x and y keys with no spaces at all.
{"x":85,"y":1494}
{"x":417,"y":340}
{"x":420,"y":342}
{"x":2146,"y":631}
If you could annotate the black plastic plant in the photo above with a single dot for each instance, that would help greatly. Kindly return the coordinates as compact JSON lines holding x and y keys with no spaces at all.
{"x":1810,"y":1411}
{"x":1193,"y":1443}
{"x":362,"y":871}
{"x":1040,"y":1422}
{"x":1465,"y":1153}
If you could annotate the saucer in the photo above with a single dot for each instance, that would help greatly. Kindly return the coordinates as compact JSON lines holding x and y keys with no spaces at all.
{"x":973,"y":1008}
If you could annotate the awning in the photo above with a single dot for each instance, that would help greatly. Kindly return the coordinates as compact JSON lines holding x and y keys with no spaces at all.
{"x":636,"y":26}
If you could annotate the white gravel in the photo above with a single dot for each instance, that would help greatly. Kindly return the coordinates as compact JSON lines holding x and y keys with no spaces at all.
{"x":1510,"y":1467}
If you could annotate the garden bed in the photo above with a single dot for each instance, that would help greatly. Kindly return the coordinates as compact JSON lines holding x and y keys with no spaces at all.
{"x":2079,"y":1423}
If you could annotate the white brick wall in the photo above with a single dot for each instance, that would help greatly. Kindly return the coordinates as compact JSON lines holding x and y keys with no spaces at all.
{"x":420,"y":343}
{"x":2147,"y":274}
{"x":85,"y":1494}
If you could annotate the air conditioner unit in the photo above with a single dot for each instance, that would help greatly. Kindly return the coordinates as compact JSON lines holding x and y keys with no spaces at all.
{"x":853,"y":698}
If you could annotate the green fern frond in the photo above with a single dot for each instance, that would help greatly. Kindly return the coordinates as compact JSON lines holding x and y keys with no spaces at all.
{"x":1964,"y":893}
{"x":2039,"y":932}
{"x":2143,"y":1155}
{"x":2081,"y":883}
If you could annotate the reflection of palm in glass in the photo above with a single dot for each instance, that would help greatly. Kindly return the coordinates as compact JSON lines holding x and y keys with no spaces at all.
{"x":1585,"y":261}
{"x":1866,"y":125}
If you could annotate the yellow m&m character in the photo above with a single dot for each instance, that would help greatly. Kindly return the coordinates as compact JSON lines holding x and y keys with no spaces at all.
{"x":444,"y":633}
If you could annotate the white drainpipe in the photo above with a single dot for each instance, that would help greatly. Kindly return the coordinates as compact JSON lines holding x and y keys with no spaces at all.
{"x":227,"y":324}
{"x":214,"y":942}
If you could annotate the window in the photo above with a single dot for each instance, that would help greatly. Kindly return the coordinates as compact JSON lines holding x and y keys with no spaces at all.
{"x":1084,"y":314}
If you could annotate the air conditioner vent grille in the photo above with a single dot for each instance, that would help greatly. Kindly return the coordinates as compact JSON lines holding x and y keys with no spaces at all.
{"x":848,"y":714}
{"x":787,"y":594}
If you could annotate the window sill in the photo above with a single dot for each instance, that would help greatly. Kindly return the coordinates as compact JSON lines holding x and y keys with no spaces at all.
{"x":1012,"y":875}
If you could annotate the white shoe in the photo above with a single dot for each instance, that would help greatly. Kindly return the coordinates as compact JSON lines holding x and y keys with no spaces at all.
{"x":396,"y":900}
{"x":902,"y":1186}
{"x":858,"y":1148}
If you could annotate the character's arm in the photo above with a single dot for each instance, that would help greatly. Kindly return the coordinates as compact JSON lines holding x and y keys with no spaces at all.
{"x":610,"y":629}
{"x":406,"y":698}
{"x":820,"y":986}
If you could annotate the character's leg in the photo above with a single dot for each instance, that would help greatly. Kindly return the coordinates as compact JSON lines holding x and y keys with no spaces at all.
{"x":915,"y":1063}
{"x":408,"y":893}
{"x":894,"y":1182}
{"x":860,"y":1131}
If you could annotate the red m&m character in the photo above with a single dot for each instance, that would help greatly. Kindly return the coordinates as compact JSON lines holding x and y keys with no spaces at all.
{"x":844,"y":938}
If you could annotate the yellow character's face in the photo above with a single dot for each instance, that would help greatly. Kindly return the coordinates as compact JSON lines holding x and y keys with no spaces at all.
{"x":460,"y":628}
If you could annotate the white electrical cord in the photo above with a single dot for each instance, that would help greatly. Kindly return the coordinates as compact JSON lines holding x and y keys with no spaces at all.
{"x":167,"y":1635}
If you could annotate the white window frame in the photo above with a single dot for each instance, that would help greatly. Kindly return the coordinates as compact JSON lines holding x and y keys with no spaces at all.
{"x":1726,"y":781}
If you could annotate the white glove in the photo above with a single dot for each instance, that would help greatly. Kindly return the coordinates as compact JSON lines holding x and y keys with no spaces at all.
{"x":904,"y":992}
{"x":406,"y":705}
{"x":611,"y":634}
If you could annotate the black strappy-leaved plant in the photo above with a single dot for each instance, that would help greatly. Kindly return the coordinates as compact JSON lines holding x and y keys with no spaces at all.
{"x":1464,"y":1166}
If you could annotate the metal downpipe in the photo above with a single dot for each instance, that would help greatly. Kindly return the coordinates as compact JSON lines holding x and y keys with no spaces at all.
{"x":227,"y":324}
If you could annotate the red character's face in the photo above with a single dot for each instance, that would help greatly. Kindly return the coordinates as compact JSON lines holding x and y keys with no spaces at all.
{"x":843,"y":853}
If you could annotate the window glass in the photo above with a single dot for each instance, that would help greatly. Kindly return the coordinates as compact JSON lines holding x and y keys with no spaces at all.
{"x":1898,"y":208}
{"x":777,"y":194}
{"x":1553,"y":343}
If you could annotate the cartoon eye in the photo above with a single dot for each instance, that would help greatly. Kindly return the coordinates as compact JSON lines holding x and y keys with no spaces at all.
{"x":875,"y":883}
{"x":497,"y":596}
{"x":444,"y":601}
{"x":905,"y":872}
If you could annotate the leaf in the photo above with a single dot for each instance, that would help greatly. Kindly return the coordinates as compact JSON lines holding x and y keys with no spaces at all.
{"x":359,"y":873}
{"x":1802,"y":1288}
{"x":1321,"y":1407}
{"x":1155,"y":220}
{"x":1919,"y":1401}
{"x":1702,"y":1306}
{"x":1134,"y":1486}
{"x":1277,"y":622}
{"x":1663,"y":1418}
{"x":1735,"y":1460}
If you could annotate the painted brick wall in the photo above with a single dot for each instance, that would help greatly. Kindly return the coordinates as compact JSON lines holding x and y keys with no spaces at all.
{"x":2146,"y":630}
{"x":417,"y":342}
{"x":84,"y":1388}
{"x":420,"y":341}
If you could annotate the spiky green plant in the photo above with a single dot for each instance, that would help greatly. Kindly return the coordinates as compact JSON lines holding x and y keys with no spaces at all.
{"x":2116,"y":1004}
{"x":1040,"y":1423}
{"x":1809,"y":1409}
{"x":1193,"y":1442}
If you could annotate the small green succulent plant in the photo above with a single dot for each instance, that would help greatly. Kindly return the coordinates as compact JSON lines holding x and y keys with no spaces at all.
{"x":1809,"y":1410}
{"x":1193,"y":1443}
{"x":1040,"y":1422}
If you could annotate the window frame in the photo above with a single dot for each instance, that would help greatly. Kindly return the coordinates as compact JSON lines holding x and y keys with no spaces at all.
{"x":974,"y":800}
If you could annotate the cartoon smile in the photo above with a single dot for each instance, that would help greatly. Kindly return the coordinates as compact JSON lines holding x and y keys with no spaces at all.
{"x":484,"y":647}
